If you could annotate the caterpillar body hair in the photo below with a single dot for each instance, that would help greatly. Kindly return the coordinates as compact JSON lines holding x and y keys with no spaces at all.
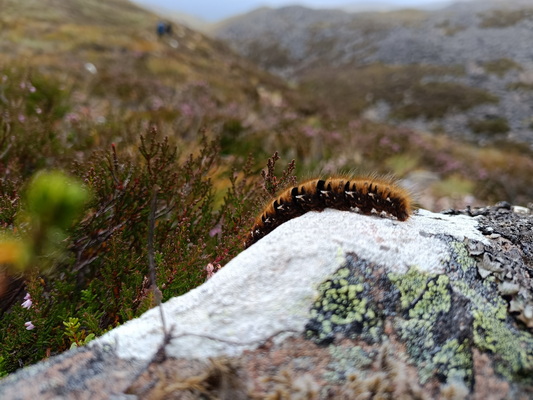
{"x":366,"y":195}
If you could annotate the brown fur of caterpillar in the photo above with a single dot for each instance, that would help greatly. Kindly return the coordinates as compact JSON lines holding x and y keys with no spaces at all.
{"x":367,"y":195}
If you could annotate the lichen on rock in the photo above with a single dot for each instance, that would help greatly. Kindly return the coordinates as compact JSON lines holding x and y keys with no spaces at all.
{"x":439,"y":317}
{"x":345,"y":305}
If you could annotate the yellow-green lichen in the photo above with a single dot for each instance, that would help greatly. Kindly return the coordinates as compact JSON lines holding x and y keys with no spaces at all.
{"x":512,"y":349}
{"x":346,"y":360}
{"x":439,"y":317}
{"x":462,"y":257}
{"x":411,"y":285}
{"x":343,"y":306}
{"x":453,"y":360}
{"x":424,"y":299}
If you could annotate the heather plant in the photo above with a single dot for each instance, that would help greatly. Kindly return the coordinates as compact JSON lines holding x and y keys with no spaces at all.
{"x":493,"y":126}
{"x":272,"y":184}
{"x":31,"y":107}
{"x":104,"y":280}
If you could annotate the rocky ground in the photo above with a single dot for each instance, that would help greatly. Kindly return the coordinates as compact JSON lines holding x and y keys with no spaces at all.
{"x":489,"y":41}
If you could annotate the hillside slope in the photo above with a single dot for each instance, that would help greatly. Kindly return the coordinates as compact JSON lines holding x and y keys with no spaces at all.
{"x":402,"y":66}
{"x":109,"y":56}
{"x":114,"y":77}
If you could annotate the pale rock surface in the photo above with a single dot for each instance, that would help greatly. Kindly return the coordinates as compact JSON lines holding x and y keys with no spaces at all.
{"x":268,"y":289}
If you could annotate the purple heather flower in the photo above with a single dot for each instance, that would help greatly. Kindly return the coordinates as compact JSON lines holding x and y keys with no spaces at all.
{"x":27,"y":301}
{"x":29,"y":326}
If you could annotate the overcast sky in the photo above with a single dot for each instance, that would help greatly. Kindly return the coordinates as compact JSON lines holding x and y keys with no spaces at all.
{"x":214,"y":10}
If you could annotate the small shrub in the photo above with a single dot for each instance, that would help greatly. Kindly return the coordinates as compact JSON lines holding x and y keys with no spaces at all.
{"x":500,"y":66}
{"x":103,"y":280}
{"x":520,"y":86}
{"x":434,"y":100}
{"x":350,"y":90}
{"x":504,"y":18}
{"x":492,"y":126}
{"x":450,"y":29}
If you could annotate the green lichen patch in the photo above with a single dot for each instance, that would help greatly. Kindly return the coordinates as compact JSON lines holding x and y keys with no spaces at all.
{"x":456,"y":312}
{"x":345,"y":306}
{"x":426,"y":303}
{"x":462,"y":258}
{"x":345,"y":361}
{"x":453,"y":361}
{"x":439,"y":318}
{"x":494,"y":332}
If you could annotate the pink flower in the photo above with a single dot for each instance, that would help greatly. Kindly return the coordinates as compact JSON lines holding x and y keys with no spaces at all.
{"x":72,"y":118}
{"x":212,"y":269}
{"x":29,"y":326}
{"x":217,"y":230}
{"x":27,"y":301}
{"x":186,"y":110}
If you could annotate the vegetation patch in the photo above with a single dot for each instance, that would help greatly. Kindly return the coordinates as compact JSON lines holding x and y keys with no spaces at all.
{"x":103,"y":100}
{"x":449,"y":28}
{"x":344,"y":305}
{"x":269,"y":53}
{"x":520,"y":86}
{"x":490,"y":126}
{"x":351,"y":90}
{"x":454,"y":186}
{"x":504,"y":18}
{"x":433,"y":100}
{"x":501,"y":66}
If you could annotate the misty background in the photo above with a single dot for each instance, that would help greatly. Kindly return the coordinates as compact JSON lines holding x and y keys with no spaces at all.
{"x":213,"y":10}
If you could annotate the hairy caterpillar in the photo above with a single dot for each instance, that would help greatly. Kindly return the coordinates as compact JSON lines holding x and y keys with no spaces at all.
{"x":367,"y":195}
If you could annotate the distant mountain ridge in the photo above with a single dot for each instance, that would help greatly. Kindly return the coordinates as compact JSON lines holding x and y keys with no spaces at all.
{"x":480,"y":45}
{"x":387,"y":6}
